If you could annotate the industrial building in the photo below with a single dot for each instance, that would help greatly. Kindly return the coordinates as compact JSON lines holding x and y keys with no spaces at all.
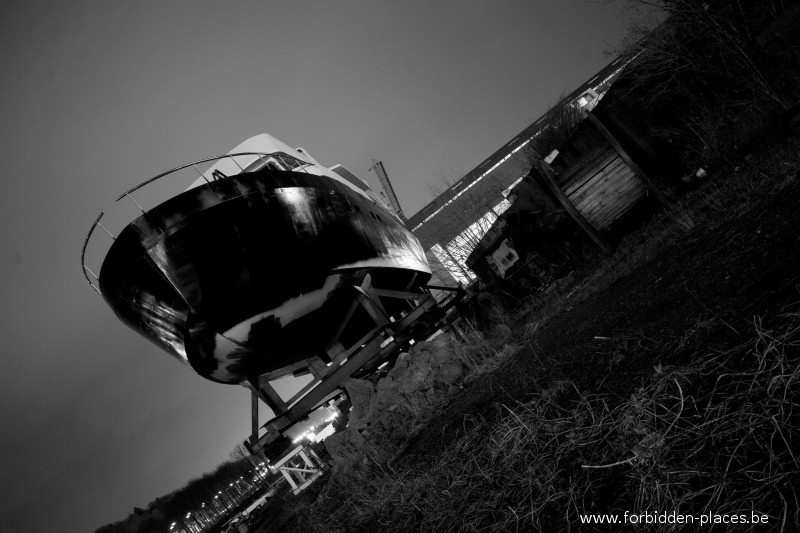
{"x":452,"y":224}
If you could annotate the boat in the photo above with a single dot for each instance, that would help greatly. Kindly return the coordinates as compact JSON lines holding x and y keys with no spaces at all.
{"x":252,"y":268}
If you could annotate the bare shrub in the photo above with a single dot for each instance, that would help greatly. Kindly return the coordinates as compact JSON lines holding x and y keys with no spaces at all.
{"x":704,"y":76}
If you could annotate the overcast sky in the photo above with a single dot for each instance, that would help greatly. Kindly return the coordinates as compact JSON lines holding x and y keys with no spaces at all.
{"x":97,"y":96}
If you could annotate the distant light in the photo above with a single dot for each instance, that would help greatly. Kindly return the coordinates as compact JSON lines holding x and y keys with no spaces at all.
{"x":326,"y":432}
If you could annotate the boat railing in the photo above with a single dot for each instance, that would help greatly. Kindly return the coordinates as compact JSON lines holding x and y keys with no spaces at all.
{"x":262,"y":159}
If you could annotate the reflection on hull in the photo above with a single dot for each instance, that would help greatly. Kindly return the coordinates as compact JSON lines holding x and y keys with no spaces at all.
{"x":252,"y":273}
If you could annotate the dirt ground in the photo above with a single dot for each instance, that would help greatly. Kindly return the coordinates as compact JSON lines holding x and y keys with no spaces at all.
{"x":724,"y":270}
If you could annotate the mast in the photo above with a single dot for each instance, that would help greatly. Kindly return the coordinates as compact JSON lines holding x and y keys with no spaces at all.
{"x":377,"y":166}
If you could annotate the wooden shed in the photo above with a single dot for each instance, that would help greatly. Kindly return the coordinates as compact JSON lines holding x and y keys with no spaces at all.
{"x":599,"y":175}
{"x":596,"y":179}
{"x":611,"y":166}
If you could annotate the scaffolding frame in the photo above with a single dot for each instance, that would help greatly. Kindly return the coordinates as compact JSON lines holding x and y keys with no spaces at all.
{"x":382,"y":344}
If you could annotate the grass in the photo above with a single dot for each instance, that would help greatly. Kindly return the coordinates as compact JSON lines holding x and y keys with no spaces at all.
{"x":715,"y":433}
{"x":711,"y":205}
{"x":716,"y":436}
{"x":480,"y":356}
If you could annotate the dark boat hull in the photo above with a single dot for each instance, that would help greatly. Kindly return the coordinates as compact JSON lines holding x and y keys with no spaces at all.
{"x":253,"y":273}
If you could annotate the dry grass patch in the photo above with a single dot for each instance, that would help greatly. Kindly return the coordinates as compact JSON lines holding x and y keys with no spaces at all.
{"x":718,"y":435}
